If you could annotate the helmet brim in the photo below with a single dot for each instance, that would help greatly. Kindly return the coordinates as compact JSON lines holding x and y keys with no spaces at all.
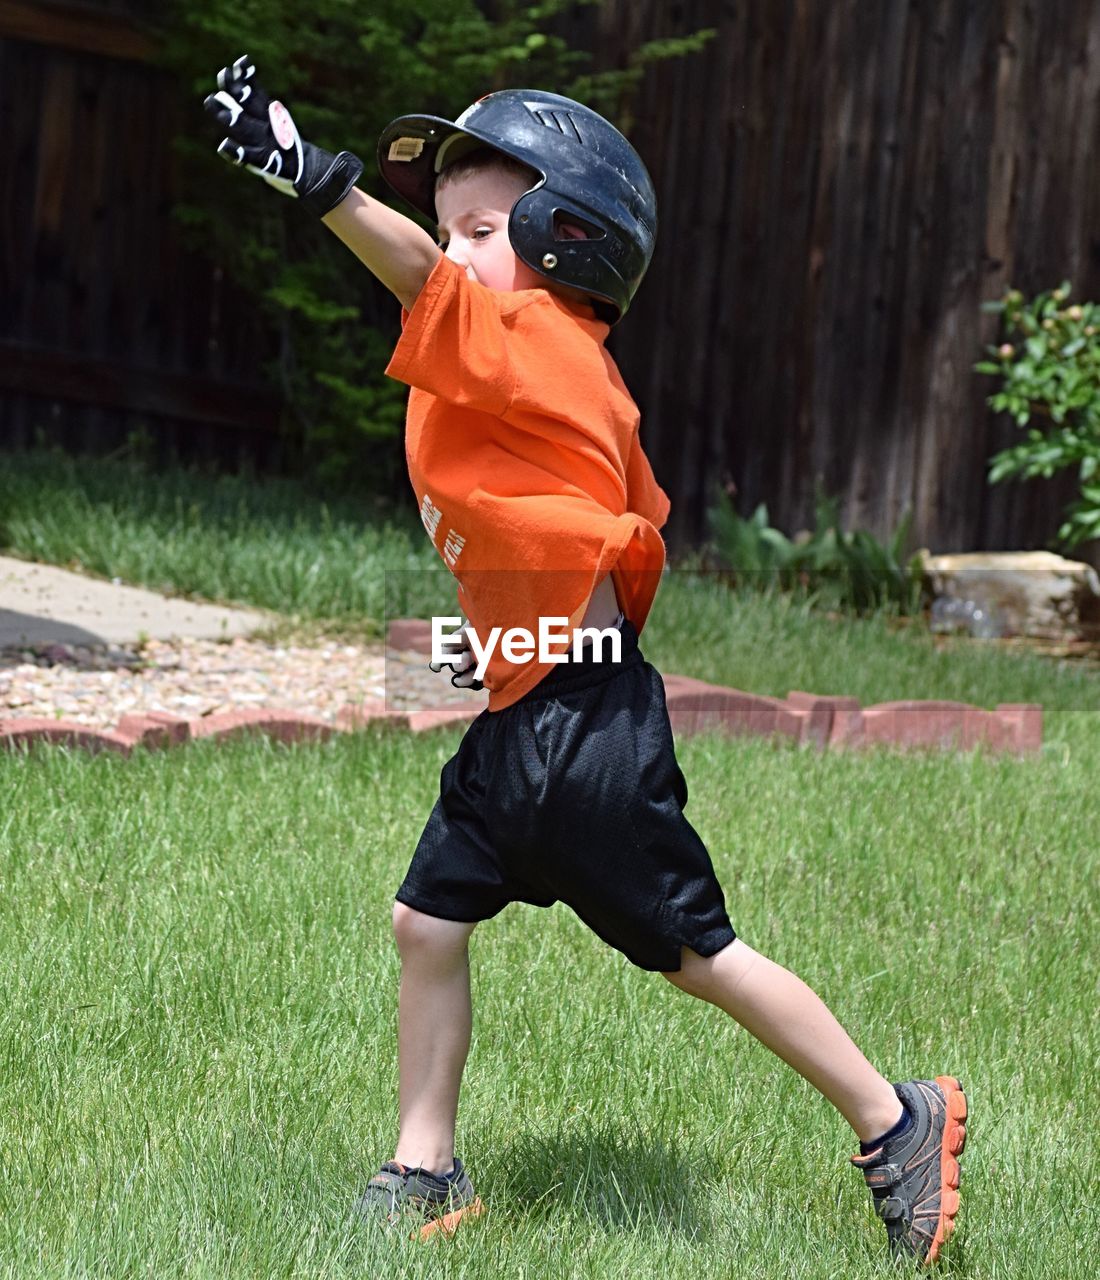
{"x":413,"y":150}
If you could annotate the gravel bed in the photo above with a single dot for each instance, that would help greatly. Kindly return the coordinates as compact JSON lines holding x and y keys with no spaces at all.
{"x":97,"y":685}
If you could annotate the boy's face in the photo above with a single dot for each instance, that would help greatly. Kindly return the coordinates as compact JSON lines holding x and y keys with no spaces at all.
{"x":473,"y":229}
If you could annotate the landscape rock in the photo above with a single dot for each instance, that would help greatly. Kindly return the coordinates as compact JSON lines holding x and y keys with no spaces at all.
{"x":1032,"y":593}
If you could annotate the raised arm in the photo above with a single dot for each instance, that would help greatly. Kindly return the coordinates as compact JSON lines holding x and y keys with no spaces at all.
{"x":401,"y":254}
{"x":263,"y":138}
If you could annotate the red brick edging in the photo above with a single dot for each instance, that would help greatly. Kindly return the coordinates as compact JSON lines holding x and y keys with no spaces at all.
{"x":841,"y":722}
{"x":693,"y":707}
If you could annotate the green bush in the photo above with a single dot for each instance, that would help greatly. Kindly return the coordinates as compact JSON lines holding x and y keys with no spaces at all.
{"x":851,"y":571}
{"x":1048,"y":363}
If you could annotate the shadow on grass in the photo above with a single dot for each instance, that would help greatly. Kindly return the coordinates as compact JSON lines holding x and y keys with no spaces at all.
{"x":617,"y":1177}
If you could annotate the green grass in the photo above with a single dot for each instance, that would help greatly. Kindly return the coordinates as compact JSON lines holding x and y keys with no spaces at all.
{"x":772,"y":644}
{"x":198,"y":1029}
{"x":269,"y":542}
{"x":348,"y":564}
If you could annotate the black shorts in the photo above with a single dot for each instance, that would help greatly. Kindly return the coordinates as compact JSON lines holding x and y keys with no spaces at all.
{"x":573,"y":793}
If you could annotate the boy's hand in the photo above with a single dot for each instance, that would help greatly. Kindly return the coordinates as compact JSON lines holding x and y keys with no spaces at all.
{"x":462,"y":663}
{"x":263,"y":138}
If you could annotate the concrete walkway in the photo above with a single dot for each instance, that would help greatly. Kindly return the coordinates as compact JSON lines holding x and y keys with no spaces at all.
{"x":41,"y":605}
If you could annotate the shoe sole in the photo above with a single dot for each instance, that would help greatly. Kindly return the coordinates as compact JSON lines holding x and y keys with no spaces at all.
{"x":447,"y":1225}
{"x":953,"y":1142}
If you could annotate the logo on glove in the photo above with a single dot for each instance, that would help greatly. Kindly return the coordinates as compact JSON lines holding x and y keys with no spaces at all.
{"x":281,"y":124}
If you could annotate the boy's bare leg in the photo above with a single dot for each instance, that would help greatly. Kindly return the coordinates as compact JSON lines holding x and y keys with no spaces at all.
{"x":433,"y":1035}
{"x":782,"y":1012}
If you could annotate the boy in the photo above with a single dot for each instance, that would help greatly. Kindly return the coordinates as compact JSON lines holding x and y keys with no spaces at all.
{"x":523,"y":450}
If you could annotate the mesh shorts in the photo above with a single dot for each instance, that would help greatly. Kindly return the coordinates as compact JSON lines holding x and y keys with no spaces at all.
{"x":573,"y":794}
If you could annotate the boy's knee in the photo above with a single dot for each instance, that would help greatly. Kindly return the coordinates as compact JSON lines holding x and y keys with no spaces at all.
{"x":705,"y":976}
{"x":417,"y":933}
{"x":691,"y":975}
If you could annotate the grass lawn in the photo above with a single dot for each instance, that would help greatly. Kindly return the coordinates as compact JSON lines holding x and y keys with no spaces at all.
{"x":348,"y":564}
{"x":198,"y":1035}
{"x":199,"y":1030}
{"x":226,"y":538}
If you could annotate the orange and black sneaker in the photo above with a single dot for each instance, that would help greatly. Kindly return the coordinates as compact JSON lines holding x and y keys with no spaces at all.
{"x":419,"y":1201}
{"x":914,"y":1178}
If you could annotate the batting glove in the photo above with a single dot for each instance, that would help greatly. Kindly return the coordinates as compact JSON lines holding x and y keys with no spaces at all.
{"x":263,"y":138}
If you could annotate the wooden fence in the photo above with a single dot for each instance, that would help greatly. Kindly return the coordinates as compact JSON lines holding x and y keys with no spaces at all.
{"x":841,"y":185}
{"x":107,"y":324}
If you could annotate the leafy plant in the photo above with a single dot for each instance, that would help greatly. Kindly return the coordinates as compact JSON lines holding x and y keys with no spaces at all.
{"x":1049,"y":366}
{"x":347,"y":69}
{"x":852,"y":571}
{"x":754,"y":551}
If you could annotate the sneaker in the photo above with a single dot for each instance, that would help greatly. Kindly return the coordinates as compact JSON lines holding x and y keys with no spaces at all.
{"x":914,"y":1178}
{"x":436,"y":1202}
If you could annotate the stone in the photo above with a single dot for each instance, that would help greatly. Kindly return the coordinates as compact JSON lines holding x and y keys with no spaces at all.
{"x":284,"y":726}
{"x":442,"y":717}
{"x":410,"y":634}
{"x":65,"y":733}
{"x":820,"y":712}
{"x":1032,"y":593}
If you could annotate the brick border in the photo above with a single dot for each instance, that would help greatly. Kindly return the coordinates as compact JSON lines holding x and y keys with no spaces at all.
{"x":694,"y":706}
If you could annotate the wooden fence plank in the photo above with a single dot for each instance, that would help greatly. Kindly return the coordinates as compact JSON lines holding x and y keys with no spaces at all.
{"x":60,"y":375}
{"x":73,"y":26}
{"x":881,"y":171}
{"x":840,"y":186}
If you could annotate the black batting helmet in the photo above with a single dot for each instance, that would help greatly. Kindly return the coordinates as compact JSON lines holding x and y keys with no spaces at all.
{"x":590,"y":175}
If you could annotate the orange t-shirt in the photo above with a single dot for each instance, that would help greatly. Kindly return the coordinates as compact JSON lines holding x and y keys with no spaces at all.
{"x":522,"y":446}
